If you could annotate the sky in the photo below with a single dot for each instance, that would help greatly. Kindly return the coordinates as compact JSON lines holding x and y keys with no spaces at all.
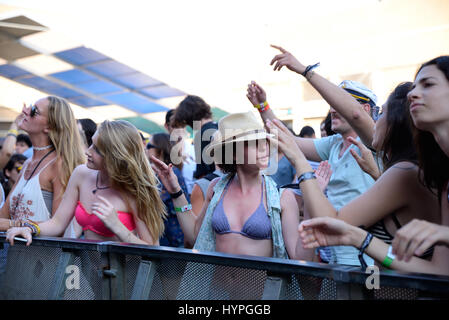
{"x":208,"y":48}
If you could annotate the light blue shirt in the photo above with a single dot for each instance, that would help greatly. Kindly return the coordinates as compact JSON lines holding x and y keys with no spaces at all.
{"x":348,"y":181}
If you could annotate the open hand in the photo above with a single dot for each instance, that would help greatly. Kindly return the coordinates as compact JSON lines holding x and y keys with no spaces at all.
{"x":284,"y":140}
{"x":366,"y":161}
{"x":324,"y":231}
{"x":416,"y":237}
{"x":323,"y":174}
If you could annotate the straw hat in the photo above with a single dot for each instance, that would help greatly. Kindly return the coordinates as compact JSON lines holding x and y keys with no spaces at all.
{"x":237,"y":127}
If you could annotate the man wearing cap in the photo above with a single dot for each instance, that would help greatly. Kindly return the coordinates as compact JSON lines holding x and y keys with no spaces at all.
{"x":348,"y":180}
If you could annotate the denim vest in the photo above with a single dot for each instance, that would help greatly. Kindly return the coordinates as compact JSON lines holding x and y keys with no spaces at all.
{"x":206,"y":237}
{"x":197,"y":281}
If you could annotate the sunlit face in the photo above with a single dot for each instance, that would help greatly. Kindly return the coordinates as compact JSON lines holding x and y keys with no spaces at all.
{"x":339,"y":124}
{"x":429,"y":98}
{"x":256,"y":153}
{"x":35,"y":117}
{"x":380,"y":128}
{"x":95,"y":160}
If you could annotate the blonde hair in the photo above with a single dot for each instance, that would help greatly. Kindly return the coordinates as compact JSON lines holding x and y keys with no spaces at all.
{"x":65,"y":137}
{"x":130,"y":172}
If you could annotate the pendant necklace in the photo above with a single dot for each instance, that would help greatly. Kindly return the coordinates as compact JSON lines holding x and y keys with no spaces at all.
{"x":96,"y":185}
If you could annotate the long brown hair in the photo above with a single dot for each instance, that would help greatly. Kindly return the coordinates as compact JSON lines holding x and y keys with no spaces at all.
{"x":398,"y":142}
{"x":130,"y":172}
{"x":433,"y":162}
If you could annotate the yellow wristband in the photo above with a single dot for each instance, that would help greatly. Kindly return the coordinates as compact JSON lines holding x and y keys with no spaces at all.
{"x":13,"y":131}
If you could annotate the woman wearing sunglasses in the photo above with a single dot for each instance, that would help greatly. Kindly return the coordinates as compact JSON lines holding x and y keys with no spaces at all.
{"x":114,"y":196}
{"x":51,"y":126}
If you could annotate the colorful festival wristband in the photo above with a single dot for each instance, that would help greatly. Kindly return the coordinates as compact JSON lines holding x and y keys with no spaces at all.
{"x":185,"y":208}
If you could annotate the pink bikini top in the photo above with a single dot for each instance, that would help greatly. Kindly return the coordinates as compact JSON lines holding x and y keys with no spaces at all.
{"x":89,"y":221}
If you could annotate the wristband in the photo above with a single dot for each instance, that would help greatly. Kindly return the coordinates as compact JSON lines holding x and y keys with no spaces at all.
{"x":389,"y":258}
{"x":264,"y":106}
{"x":309,"y":68}
{"x":365,"y":245}
{"x":13,"y":132}
{"x":185,"y":208}
{"x":35,"y":230}
{"x":177,"y":194}
{"x":306,"y":176}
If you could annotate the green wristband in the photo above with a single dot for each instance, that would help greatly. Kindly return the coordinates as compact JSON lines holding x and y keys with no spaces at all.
{"x":389,"y":258}
{"x":184,"y":208}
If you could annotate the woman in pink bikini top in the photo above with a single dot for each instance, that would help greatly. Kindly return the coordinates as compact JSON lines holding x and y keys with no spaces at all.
{"x":114,"y":196}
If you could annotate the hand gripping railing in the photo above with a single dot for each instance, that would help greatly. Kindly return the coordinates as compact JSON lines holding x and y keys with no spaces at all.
{"x":59,"y":268}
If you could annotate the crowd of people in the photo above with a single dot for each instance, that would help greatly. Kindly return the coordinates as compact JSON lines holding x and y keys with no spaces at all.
{"x":372,"y":190}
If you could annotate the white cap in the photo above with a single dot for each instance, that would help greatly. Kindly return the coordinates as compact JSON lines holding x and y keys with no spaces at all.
{"x":359,"y":91}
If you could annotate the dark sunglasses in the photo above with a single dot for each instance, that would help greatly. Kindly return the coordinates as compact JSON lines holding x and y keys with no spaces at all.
{"x":149,"y":146}
{"x":33,"y":111}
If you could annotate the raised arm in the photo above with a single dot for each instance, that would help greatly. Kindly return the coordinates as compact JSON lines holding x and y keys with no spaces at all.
{"x":338,"y":98}
{"x":189,"y":222}
{"x":385,"y":196}
{"x":256,"y":95}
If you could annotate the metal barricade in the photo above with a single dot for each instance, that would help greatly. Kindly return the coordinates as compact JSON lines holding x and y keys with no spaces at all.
{"x":58,"y":268}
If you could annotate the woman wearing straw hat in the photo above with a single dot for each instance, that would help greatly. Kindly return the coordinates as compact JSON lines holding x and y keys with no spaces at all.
{"x":244,"y":213}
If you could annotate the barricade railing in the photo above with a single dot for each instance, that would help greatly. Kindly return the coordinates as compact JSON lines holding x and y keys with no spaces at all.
{"x":68,"y":269}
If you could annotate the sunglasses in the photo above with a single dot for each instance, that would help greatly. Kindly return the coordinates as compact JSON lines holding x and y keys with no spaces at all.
{"x":18,"y":169}
{"x":34,"y":111}
{"x":149,"y":146}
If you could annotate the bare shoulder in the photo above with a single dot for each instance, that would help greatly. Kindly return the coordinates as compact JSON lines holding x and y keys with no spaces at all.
{"x":81,"y":172}
{"x":402,"y":170}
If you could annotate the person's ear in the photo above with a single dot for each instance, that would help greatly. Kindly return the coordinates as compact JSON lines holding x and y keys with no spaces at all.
{"x":8,"y":173}
{"x":367,"y":108}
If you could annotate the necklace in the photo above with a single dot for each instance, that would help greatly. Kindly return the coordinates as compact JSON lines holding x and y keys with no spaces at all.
{"x":97,"y":187}
{"x":38,"y":164}
{"x":42,"y":148}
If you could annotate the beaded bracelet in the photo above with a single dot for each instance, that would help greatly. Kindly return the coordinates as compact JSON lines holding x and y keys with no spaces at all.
{"x":35,"y":230}
{"x":264,"y":106}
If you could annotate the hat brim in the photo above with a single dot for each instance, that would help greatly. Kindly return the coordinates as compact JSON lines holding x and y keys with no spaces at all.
{"x":249,"y":137}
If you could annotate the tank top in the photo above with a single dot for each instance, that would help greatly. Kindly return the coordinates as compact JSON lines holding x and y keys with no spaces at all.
{"x":27,"y":200}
